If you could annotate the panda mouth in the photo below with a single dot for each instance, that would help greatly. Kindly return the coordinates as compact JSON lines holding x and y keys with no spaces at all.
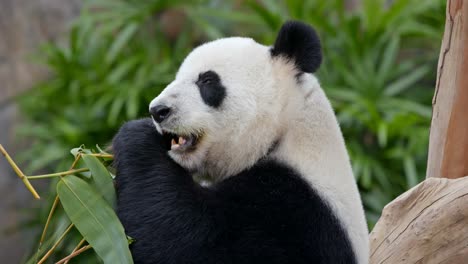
{"x":180,"y":143}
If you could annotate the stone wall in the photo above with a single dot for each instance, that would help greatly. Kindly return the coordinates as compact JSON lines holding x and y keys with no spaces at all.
{"x":24,"y":26}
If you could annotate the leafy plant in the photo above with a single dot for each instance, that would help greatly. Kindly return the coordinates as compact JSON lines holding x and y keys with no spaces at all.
{"x":87,"y":195}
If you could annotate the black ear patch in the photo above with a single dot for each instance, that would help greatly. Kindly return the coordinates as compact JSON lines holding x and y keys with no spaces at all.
{"x":300,"y":43}
{"x":211,"y":89}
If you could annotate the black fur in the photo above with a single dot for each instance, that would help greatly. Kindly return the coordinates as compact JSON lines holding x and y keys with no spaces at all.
{"x":266,"y":214}
{"x":211,"y":89}
{"x":299,"y":42}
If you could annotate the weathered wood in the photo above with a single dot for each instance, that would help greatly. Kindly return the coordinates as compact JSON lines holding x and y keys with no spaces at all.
{"x":448,"y":145}
{"x":427,"y":224}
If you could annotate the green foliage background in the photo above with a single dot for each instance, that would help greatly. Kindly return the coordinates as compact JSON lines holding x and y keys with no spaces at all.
{"x":379,"y":71}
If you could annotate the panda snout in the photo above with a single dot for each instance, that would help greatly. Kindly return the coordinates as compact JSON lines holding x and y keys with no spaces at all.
{"x":160,"y":112}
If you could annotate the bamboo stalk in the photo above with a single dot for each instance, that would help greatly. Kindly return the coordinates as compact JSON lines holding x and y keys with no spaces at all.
{"x":74,"y":254}
{"x":100,"y":155}
{"x":51,"y":250}
{"x":74,"y":250}
{"x":49,"y":217}
{"x":19,"y":173}
{"x":55,"y":204}
{"x":57,"y":174}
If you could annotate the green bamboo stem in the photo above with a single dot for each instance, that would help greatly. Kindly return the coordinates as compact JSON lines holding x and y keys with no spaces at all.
{"x":73,"y":253}
{"x":75,"y":162}
{"x":19,"y":173}
{"x":51,"y":250}
{"x":57,"y":174}
{"x":49,"y":217}
{"x":52,"y":209}
{"x":100,"y":155}
{"x":44,"y":231}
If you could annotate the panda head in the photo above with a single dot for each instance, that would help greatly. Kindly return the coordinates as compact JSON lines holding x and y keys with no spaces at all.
{"x":228,"y":105}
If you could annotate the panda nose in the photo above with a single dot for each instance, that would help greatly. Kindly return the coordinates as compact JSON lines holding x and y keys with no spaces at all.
{"x":160,"y":112}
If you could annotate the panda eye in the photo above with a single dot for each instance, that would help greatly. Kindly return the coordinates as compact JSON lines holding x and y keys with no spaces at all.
{"x":211,"y":88}
{"x":208,"y":77}
{"x":207,"y":80}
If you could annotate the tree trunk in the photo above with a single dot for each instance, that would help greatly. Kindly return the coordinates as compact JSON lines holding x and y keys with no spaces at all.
{"x":448,"y":144}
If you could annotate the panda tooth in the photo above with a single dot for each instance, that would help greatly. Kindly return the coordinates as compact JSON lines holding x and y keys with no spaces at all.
{"x":182,"y":140}
{"x":176,"y":146}
{"x":173,"y":142}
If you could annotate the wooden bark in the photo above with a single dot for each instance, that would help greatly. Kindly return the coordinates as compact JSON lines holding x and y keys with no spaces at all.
{"x":448,"y":144}
{"x":429,"y":223}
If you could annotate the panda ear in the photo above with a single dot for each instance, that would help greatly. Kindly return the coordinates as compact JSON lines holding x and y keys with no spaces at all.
{"x":299,"y":43}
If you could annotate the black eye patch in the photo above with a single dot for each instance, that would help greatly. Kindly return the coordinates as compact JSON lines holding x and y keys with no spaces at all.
{"x":211,"y":89}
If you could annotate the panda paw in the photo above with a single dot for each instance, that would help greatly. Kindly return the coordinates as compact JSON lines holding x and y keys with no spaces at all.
{"x":137,"y":138}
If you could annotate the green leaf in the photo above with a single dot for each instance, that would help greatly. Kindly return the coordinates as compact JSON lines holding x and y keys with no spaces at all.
{"x":272,"y":20}
{"x":101,"y":179}
{"x":117,"y":74}
{"x":382,"y":133}
{"x":390,"y":54}
{"x":115,"y":110}
{"x":421,"y":29}
{"x":395,"y":11}
{"x":229,"y":15}
{"x":120,"y":42}
{"x":130,"y":240}
{"x":94,"y":219}
{"x":209,"y":29}
{"x":343,"y":93}
{"x":410,"y":106}
{"x":407,"y":81}
{"x":410,"y":171}
{"x":101,"y":150}
{"x":133,"y":104}
{"x":58,"y":229}
{"x":366,"y":177}
{"x":80,"y":149}
{"x":372,"y":13}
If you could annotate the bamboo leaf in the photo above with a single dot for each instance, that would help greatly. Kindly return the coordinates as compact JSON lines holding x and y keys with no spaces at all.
{"x":101,"y":179}
{"x":115,"y":110}
{"x":122,"y":39}
{"x":94,"y":219}
{"x":79,"y":150}
{"x":389,"y":57}
{"x":410,"y":172}
{"x":101,"y":150}
{"x":407,"y":81}
{"x":382,"y":134}
{"x":59,"y":228}
{"x":271,"y":19}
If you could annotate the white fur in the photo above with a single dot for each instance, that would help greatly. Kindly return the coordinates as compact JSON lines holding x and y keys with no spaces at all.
{"x":264,"y":103}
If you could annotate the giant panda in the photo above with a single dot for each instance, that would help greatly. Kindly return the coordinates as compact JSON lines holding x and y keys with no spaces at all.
{"x":253,"y":120}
